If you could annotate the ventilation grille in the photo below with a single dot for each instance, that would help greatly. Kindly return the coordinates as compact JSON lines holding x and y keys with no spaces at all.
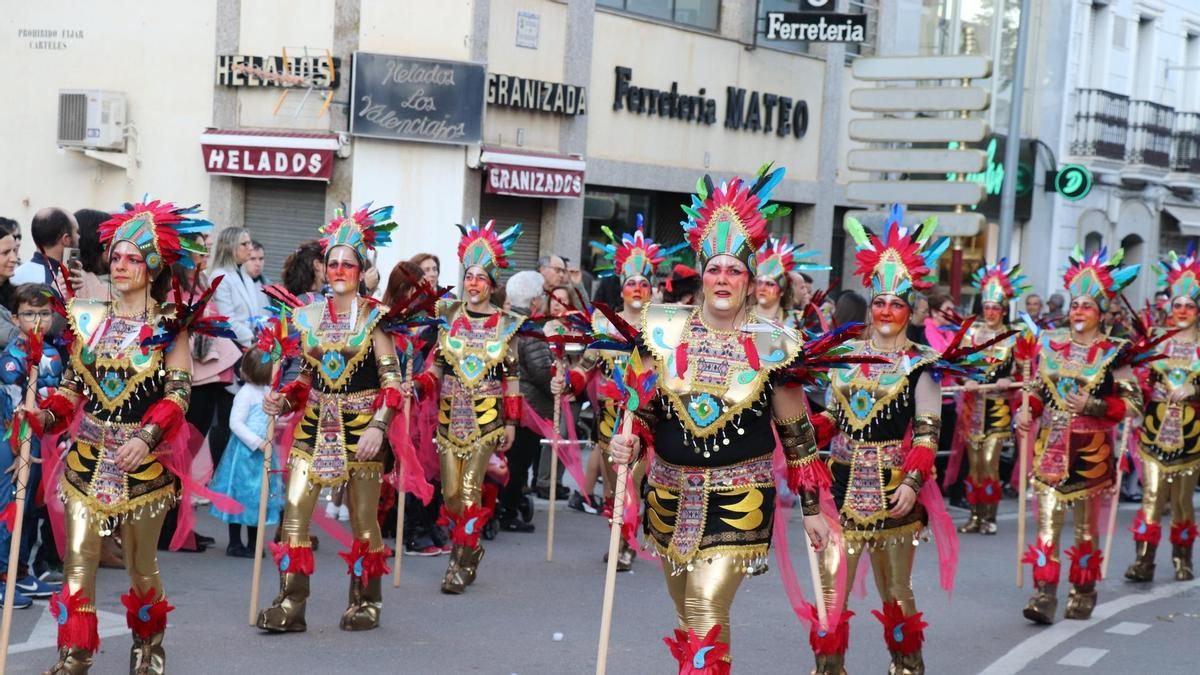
{"x":72,"y":118}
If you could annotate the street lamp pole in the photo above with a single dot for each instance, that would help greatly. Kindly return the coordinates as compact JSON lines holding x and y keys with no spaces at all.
{"x":1012,"y":149}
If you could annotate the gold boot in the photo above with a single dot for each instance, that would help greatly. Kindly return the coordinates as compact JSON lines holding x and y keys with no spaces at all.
{"x":907,"y":664}
{"x":1080,"y":602}
{"x":366,"y":603}
{"x":286,"y":613}
{"x":71,"y":661}
{"x":974,"y":523}
{"x":830,"y":664}
{"x":1181,"y":555}
{"x":1142,"y":568}
{"x":147,"y":657}
{"x":1043,"y":605}
{"x":453,"y":582}
{"x":987,"y":520}
{"x":470,"y":563}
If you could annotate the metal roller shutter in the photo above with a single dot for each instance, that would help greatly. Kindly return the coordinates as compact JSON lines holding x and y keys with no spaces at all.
{"x":508,"y":210}
{"x":281,"y":215}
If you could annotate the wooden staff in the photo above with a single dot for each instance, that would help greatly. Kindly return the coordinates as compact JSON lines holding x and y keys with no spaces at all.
{"x":400,"y":500}
{"x":818,"y":588}
{"x":24,"y":460}
{"x":1112,"y":511}
{"x":264,"y":488}
{"x":559,"y":369}
{"x":1022,"y":480}
{"x":614,"y":540}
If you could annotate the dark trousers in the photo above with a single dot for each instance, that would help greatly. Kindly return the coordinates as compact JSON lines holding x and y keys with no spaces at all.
{"x":521,"y":458}
{"x":945,"y":440}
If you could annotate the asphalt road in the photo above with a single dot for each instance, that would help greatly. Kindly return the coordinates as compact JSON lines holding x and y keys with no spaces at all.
{"x":507,"y":622}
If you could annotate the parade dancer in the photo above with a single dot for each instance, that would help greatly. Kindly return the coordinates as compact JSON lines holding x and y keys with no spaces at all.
{"x":1082,"y":392}
{"x":709,"y":491}
{"x":987,"y":413}
{"x":774,"y":291}
{"x":346,"y":394}
{"x":476,"y":365}
{"x":884,"y":421}
{"x":120,"y":472}
{"x":633,"y":259}
{"x":1170,"y":433}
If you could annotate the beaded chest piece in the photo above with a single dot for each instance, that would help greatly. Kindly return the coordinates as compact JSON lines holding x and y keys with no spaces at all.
{"x":335,"y":349}
{"x":998,"y":354}
{"x":1176,"y":370}
{"x":474,"y":346}
{"x":107,"y":353}
{"x":867,"y":394}
{"x":1066,"y":366}
{"x":711,"y":377}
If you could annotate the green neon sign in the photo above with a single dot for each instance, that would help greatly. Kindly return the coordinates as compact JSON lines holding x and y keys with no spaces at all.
{"x":1073,"y":182}
{"x":992,"y":176}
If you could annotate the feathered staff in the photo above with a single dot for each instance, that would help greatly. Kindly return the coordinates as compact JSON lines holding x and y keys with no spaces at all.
{"x":276,"y":343}
{"x":632,"y":387}
{"x":190,"y":317}
{"x":20,"y":433}
{"x":1025,"y":354}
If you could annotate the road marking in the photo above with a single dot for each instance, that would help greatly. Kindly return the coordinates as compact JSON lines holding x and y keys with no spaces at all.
{"x":1128,"y":628}
{"x":45,"y":632}
{"x":1034,"y":647}
{"x":1084,"y":657}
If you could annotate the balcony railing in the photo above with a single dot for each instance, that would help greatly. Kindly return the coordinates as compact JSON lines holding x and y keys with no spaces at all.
{"x":1150,"y":127}
{"x":1101,"y":124}
{"x":1185,"y":146}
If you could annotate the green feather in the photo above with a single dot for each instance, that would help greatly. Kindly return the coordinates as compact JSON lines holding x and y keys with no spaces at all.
{"x":857,"y":232}
{"x":608,"y":233}
{"x":1117,"y":257}
{"x":927,"y":228}
{"x":701,"y":189}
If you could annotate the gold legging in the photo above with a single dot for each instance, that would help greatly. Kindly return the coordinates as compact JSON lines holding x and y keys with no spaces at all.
{"x":704,"y":594}
{"x":1052,"y":512}
{"x":462,"y":478}
{"x":984,"y":457}
{"x":362,"y":493}
{"x":892,"y":565}
{"x":1157,"y":492}
{"x":139,"y":539}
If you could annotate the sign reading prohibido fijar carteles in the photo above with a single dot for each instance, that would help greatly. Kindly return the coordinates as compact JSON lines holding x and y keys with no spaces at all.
{"x":408,"y":99}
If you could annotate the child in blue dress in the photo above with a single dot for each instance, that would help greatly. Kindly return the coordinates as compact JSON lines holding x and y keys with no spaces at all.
{"x":31,"y":305}
{"x":239,"y":474}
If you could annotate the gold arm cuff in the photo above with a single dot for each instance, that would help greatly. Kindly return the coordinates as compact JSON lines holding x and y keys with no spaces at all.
{"x":1131,"y":393}
{"x":150,"y":434}
{"x":926,"y":429}
{"x":1095,"y":407}
{"x":913,"y":480}
{"x":798,"y":439}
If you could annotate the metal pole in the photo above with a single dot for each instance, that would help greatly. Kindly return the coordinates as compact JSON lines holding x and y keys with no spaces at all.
{"x":997,"y":46}
{"x":1012,"y":149}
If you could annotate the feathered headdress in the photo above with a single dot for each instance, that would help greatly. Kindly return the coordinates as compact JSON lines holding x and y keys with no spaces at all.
{"x":902,"y":261}
{"x":483,"y":247}
{"x":634,"y":255}
{"x":160,"y":230}
{"x":1000,"y":283}
{"x":1179,"y":275}
{"x":777,"y":257}
{"x":364,"y":230}
{"x":1099,"y":276}
{"x":732,"y":219}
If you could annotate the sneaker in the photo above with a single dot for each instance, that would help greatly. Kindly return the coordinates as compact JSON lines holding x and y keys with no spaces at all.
{"x":515,"y":525}
{"x":331,"y":511}
{"x":577,"y":502}
{"x":343,"y":513}
{"x":423,"y":552}
{"x":33,"y":587}
{"x":20,"y":600}
{"x":52,"y":577}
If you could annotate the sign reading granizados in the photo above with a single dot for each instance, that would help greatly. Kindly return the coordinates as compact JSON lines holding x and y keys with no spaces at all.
{"x":409,"y":99}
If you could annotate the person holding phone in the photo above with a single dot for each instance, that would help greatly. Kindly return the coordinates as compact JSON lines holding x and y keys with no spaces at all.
{"x":55,"y":233}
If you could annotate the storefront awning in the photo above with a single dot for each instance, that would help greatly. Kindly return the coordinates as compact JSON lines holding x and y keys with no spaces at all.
{"x":269,"y":154}
{"x":532,"y":174}
{"x":1188,"y":217}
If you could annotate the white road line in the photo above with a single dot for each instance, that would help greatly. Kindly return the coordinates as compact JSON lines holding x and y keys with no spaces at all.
{"x":45,"y":631}
{"x":1128,"y":628}
{"x":1083,"y":657}
{"x":1034,"y":647}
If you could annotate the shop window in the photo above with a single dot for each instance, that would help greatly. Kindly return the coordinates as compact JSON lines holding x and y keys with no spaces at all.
{"x":798,"y":46}
{"x":699,"y":13}
{"x":871,"y":9}
{"x":1092,"y":243}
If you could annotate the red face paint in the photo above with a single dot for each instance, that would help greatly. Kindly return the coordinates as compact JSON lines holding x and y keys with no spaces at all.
{"x":889,"y":315}
{"x":127,"y":267}
{"x":635,"y":292}
{"x":1084,"y":314}
{"x":1183,"y":312}
{"x":478,"y":285}
{"x":767,"y":291}
{"x":726,"y":282}
{"x":993,"y":314}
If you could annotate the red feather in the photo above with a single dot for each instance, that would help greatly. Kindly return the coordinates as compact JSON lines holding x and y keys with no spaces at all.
{"x":139,"y":605}
{"x":681,"y":359}
{"x":904,"y":634}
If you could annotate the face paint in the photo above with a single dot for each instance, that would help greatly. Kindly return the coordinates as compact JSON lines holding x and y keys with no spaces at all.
{"x":342,"y":270}
{"x":127,"y":267}
{"x":993,"y":314}
{"x":1084,"y":314}
{"x":1183,"y":312}
{"x":635,"y":292}
{"x":726,"y":282}
{"x":889,"y":315}
{"x":477,"y":285}
{"x":767,"y":292}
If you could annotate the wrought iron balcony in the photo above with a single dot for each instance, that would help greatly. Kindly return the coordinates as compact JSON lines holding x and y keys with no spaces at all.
{"x":1101,"y":124}
{"x":1185,"y":146}
{"x":1150,"y":128}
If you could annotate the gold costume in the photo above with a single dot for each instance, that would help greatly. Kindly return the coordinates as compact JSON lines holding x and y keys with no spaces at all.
{"x":988,"y":415}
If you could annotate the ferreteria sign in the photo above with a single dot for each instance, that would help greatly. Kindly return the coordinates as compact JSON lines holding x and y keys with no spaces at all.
{"x":816,"y":27}
{"x":239,"y":70}
{"x":745,"y":110}
{"x":537,"y":95}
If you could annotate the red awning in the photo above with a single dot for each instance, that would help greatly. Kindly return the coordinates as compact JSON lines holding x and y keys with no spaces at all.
{"x":268,"y":154}
{"x":525,"y":173}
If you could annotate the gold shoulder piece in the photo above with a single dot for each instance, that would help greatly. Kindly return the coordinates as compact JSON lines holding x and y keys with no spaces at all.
{"x":85,"y":317}
{"x":663,"y":327}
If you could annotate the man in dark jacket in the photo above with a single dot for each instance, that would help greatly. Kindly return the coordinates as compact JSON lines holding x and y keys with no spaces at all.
{"x":524,"y":290}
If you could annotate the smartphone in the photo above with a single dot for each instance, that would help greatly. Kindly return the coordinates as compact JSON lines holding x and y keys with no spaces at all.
{"x":71,"y":257}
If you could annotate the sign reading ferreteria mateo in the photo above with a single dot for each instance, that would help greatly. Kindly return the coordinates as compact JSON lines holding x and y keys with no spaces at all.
{"x":761,"y":112}
{"x":529,"y":94}
{"x":816,"y":27}
{"x":239,"y":70}
{"x":409,"y":99}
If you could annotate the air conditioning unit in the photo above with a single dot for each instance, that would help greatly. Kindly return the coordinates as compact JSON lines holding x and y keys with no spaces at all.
{"x":91,"y":118}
